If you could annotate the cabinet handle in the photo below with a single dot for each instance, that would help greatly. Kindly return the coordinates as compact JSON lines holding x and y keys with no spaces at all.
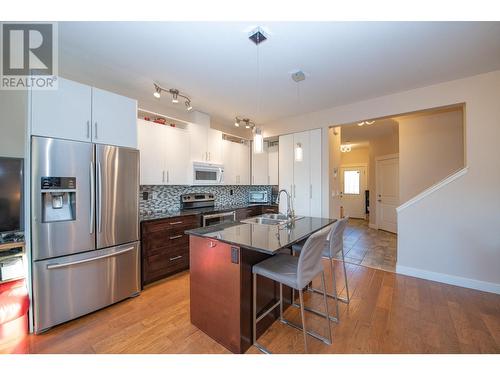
{"x":175,"y":258}
{"x":310,"y":191}
{"x":162,"y":176}
{"x":175,"y":222}
{"x":95,"y":126}
{"x":175,"y":237}
{"x":88,"y":129}
{"x":168,"y":177}
{"x":268,"y":180}
{"x":209,"y":156}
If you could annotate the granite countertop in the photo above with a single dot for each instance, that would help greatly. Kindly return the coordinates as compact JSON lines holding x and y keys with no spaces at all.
{"x":198,"y":211}
{"x":264,"y":238}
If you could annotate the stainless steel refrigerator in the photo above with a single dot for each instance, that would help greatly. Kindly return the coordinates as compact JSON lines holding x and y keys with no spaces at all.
{"x":85,"y":228}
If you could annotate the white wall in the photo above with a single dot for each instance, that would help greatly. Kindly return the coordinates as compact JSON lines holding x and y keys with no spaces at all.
{"x":13,"y":120}
{"x":431,"y":148}
{"x":356,"y":155}
{"x":451,"y":235}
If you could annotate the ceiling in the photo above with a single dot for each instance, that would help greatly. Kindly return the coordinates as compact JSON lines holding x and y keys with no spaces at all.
{"x":360,"y":136}
{"x":216,"y":65}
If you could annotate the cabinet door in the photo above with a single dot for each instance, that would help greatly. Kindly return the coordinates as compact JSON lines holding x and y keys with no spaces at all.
{"x":302,"y":175}
{"x":230,"y":161}
{"x":63,"y":113}
{"x":272,"y":155}
{"x":243,"y":164}
{"x":177,"y":156}
{"x":315,"y":147}
{"x":286,"y":162}
{"x":260,"y":167}
{"x":152,"y":152}
{"x":198,"y":142}
{"x":114,"y":119}
{"x":214,"y":146}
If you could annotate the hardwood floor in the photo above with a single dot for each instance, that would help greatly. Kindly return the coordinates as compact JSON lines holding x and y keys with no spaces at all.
{"x":388,"y":313}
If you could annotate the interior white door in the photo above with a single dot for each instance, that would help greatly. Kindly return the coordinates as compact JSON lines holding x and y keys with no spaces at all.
{"x":285,"y":161}
{"x":177,"y":150}
{"x":387,"y":183}
{"x":151,"y":138}
{"x":260,"y":167}
{"x":353,"y":183}
{"x":273,"y":165}
{"x":114,"y":119}
{"x":302,"y":175}
{"x":64,"y":113}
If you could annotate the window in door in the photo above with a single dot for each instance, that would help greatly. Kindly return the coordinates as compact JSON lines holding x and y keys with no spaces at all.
{"x":351,"y":182}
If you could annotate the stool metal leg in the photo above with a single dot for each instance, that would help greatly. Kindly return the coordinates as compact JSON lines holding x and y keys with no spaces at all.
{"x":254,"y":317}
{"x":334,"y":283}
{"x":327,"y":315}
{"x":303,"y":315}
{"x":345,"y":277}
{"x":341,"y":299}
{"x":281,"y":301}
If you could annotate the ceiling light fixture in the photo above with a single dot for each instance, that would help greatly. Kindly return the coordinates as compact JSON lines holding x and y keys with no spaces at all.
{"x":365,"y":123}
{"x":175,"y":95}
{"x":345,"y":148}
{"x":249,"y":124}
{"x":258,"y":141}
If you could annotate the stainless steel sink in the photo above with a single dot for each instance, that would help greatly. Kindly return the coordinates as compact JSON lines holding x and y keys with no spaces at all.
{"x":270,"y":219}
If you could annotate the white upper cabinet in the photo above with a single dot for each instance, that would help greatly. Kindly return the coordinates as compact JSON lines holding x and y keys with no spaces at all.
{"x":214,"y":146}
{"x":236,"y":160}
{"x":152,"y":152}
{"x":260,"y":167}
{"x":63,"y":113}
{"x":82,"y":113}
{"x":164,"y":154}
{"x":273,"y":164}
{"x":178,"y":164}
{"x":114,"y":119}
{"x":302,"y":178}
{"x":206,"y":143}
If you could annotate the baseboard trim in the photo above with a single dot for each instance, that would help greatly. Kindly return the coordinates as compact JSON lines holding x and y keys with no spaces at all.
{"x":373,"y":226}
{"x":484,"y":286}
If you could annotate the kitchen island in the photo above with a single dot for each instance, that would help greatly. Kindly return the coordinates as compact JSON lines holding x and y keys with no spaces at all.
{"x":221,"y":260}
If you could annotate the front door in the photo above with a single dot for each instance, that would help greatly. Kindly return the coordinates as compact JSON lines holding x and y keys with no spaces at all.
{"x":353,"y":184}
{"x":387,"y":181}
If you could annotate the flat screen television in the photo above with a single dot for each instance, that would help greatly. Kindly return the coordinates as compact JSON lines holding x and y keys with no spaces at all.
{"x":11,"y":194}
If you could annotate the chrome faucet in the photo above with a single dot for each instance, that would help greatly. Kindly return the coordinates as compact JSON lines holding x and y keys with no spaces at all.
{"x":289,"y":209}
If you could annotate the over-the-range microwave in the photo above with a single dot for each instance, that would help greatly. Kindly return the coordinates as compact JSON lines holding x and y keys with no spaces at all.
{"x":208,"y":174}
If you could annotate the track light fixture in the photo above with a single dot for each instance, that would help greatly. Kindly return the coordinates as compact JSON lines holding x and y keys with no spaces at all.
{"x":175,"y":95}
{"x":249,"y":124}
{"x":365,"y":123}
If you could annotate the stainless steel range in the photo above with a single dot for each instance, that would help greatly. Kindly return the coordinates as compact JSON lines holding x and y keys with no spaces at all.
{"x":206,"y":202}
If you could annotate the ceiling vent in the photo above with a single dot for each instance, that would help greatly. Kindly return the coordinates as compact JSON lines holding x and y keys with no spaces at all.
{"x":257,"y":36}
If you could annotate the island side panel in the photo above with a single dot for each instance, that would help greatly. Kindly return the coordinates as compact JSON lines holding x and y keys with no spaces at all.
{"x":215,"y":291}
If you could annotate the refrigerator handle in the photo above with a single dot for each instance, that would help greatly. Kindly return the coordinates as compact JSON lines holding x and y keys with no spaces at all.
{"x":92,"y":197}
{"x":60,"y":265}
{"x":99,"y":197}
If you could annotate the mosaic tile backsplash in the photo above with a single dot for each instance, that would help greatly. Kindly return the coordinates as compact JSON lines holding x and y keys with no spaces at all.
{"x":168,"y":197}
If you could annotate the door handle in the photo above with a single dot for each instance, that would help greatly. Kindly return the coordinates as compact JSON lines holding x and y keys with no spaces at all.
{"x":175,"y":222}
{"x":379,"y":200}
{"x":60,"y":265}
{"x":92,"y":196}
{"x":175,"y":237}
{"x":95,"y":126}
{"x":175,"y":258}
{"x":88,"y":129}
{"x":99,"y":197}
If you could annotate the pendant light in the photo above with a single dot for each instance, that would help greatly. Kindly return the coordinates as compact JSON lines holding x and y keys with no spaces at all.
{"x":258,"y":141}
{"x":299,"y":152}
{"x":258,"y":36}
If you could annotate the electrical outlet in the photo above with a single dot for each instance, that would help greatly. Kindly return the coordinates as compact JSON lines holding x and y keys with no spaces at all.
{"x":145,"y":195}
{"x":154,"y":195}
{"x":231,"y":192}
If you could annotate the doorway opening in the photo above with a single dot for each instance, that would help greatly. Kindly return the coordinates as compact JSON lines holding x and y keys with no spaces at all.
{"x":379,"y":164}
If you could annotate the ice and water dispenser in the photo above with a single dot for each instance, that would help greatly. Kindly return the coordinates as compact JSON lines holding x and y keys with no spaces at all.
{"x":58,"y":199}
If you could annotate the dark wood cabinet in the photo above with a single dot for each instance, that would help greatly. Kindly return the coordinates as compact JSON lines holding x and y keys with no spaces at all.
{"x":244,"y":213}
{"x":165,"y":247}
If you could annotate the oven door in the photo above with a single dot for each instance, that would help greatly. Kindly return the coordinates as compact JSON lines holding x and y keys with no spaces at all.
{"x":214,"y":219}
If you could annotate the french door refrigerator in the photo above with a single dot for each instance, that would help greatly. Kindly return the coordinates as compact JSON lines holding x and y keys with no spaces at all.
{"x":85,"y":228}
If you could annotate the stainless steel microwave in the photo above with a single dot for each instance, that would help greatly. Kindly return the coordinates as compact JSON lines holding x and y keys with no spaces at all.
{"x":260,"y":196}
{"x":208,"y":174}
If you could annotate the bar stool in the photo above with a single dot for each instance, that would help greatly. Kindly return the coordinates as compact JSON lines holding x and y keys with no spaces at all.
{"x":334,"y":245}
{"x":296,"y":273}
